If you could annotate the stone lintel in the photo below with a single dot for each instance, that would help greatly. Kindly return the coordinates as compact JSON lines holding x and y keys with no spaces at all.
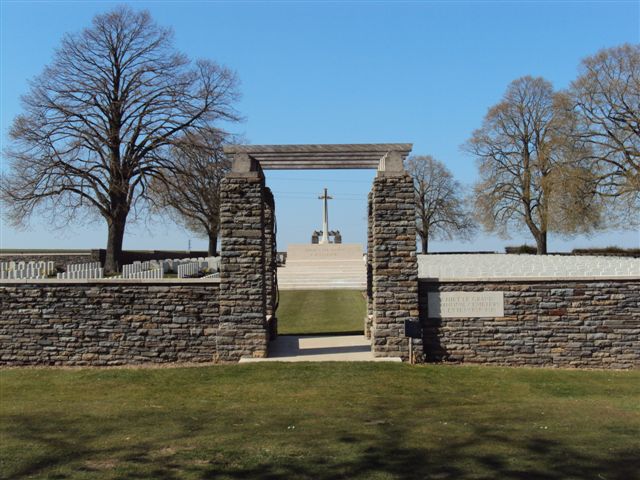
{"x":318,"y":156}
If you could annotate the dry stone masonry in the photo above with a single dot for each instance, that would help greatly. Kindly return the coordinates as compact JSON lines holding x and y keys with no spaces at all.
{"x":243,"y":327}
{"x":271,"y":262}
{"x":562,"y":323}
{"x":494,"y":309}
{"x":107,"y":324}
{"x":394,"y":266}
{"x":368,"y":319}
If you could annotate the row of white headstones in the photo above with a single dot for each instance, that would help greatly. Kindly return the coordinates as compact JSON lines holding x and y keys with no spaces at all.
{"x":82,"y":271}
{"x":20,"y":270}
{"x":184,"y":267}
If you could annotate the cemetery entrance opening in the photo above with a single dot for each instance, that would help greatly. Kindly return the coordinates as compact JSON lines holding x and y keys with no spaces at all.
{"x":248,"y":272}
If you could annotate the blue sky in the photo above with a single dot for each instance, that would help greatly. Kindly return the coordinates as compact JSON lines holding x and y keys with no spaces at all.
{"x":336,"y":72}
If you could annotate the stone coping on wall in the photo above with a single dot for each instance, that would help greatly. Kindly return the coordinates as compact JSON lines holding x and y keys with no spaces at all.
{"x":107,"y":281}
{"x":603,"y":278}
{"x":456,"y":266}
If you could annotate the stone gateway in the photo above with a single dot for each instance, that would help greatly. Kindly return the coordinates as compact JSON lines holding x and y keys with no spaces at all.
{"x":244,"y":323}
{"x":491,"y":309}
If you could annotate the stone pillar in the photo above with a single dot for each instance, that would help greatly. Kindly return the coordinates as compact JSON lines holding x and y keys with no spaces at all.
{"x":394,"y":263}
{"x":243,"y":328}
{"x":369,"y":316}
{"x":271,"y":262}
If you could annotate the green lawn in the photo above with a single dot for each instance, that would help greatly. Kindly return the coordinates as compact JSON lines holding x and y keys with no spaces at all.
{"x":320,"y":421}
{"x":321,"y":311}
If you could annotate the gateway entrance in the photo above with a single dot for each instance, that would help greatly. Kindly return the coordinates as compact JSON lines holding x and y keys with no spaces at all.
{"x":248,"y":277}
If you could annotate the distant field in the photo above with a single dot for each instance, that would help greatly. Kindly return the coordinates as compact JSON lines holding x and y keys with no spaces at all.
{"x":321,"y":311}
{"x":319,"y":421}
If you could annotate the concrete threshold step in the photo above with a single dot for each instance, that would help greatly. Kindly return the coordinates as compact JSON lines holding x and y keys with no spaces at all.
{"x":313,"y":278}
{"x":318,"y":271}
{"x":322,"y":287}
{"x":320,"y":348}
{"x":320,"y":282}
{"x":314,"y":271}
{"x":321,"y":269}
{"x":326,"y":260}
{"x":310,"y":268}
{"x":321,"y":274}
{"x":316,"y":282}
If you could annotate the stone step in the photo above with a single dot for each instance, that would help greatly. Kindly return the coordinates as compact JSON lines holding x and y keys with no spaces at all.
{"x":304,"y":281}
{"x":312,"y":279}
{"x":323,"y":266}
{"x":320,"y":348}
{"x":322,"y":286}
{"x":307,"y":281}
{"x":315,"y":263}
{"x":321,"y":275}
{"x":322,"y":269}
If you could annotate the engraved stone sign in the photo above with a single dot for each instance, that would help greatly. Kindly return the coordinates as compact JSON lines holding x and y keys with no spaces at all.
{"x":326,"y":251}
{"x":465,"y":304}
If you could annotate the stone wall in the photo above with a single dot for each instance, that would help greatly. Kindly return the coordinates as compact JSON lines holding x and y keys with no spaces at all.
{"x":368,"y":319}
{"x":93,"y":323}
{"x":271,"y":262}
{"x":564,"y":323}
{"x":243,"y":327}
{"x":394,"y":266}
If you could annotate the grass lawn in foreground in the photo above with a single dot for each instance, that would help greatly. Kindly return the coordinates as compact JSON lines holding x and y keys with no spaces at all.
{"x":321,"y":311}
{"x":320,"y":421}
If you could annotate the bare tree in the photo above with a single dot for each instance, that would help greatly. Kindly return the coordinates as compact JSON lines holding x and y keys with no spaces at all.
{"x":192,"y":191}
{"x":530,"y":175}
{"x":98,"y":123}
{"x":440,"y":208}
{"x":606,"y":99}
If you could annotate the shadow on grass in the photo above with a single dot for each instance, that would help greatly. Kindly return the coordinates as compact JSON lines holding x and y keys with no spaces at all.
{"x":72,"y":449}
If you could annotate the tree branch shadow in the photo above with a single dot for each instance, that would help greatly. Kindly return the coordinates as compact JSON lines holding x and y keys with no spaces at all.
{"x":485,"y":454}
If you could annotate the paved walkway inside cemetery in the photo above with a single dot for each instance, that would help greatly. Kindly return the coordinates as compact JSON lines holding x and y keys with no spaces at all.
{"x":320,"y":348}
{"x":322,"y":267}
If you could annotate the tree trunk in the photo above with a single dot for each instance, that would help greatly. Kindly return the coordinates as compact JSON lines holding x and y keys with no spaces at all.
{"x":424,"y":239}
{"x":213,"y":243}
{"x":541,"y":243}
{"x":114,"y":244}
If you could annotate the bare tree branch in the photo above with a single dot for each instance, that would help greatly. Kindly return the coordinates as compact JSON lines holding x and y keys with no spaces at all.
{"x":606,"y":100}
{"x":530,"y":173}
{"x":100,"y":123}
{"x":191,"y":190}
{"x":440,"y":209}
